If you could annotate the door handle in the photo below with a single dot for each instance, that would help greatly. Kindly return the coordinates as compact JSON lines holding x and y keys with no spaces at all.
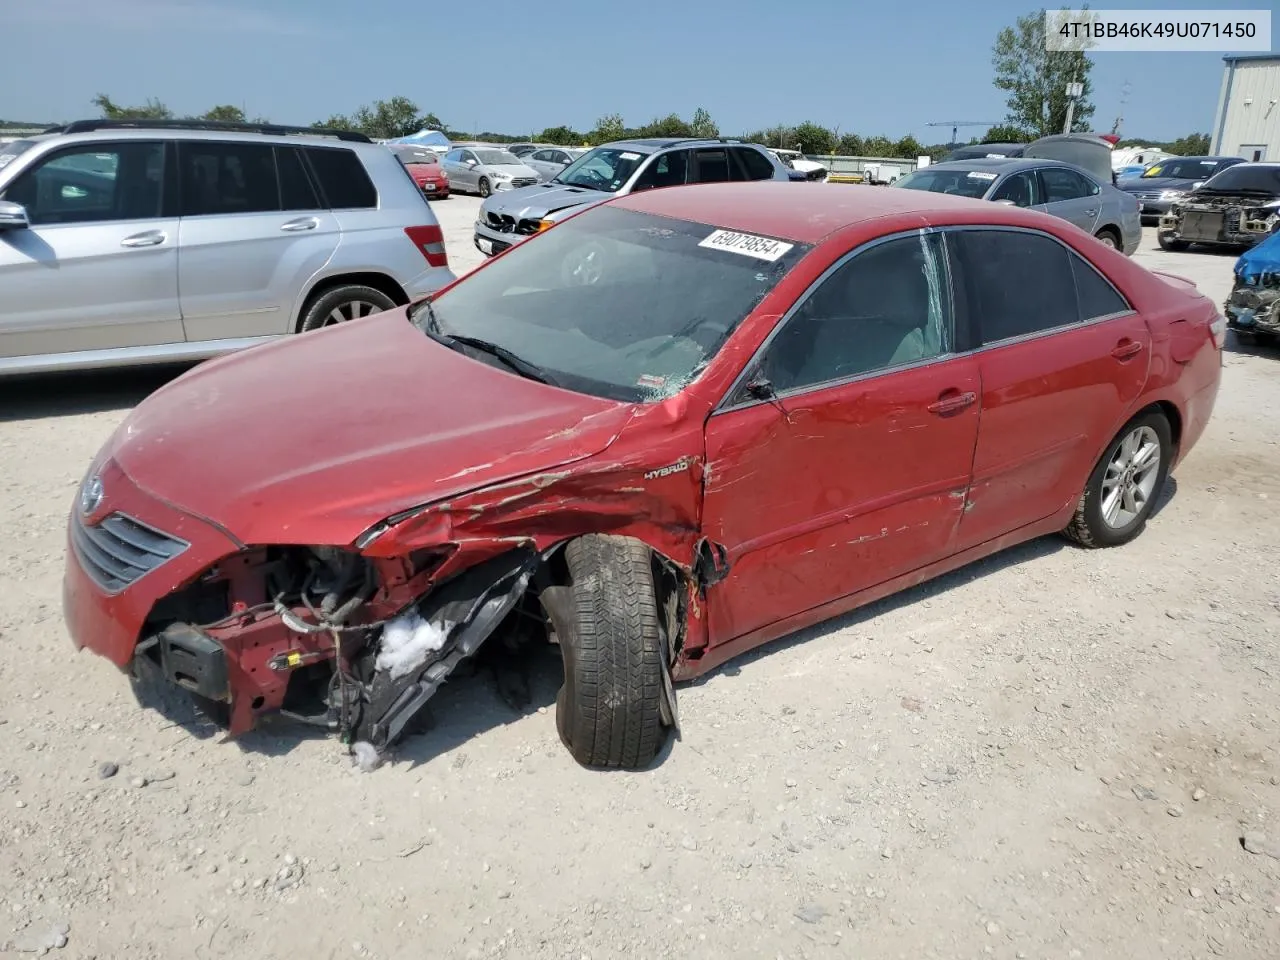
{"x":1091,"y":212}
{"x":952,"y":401}
{"x":151,"y":238}
{"x":1126,"y":348}
{"x":302,"y":223}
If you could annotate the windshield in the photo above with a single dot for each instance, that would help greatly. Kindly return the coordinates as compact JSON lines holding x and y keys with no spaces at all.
{"x":8,"y":151}
{"x":966,"y":183}
{"x":1247,"y":178}
{"x":496,"y":158}
{"x":418,"y":156}
{"x":614,"y":303}
{"x":1185,"y":169}
{"x":604,"y":168}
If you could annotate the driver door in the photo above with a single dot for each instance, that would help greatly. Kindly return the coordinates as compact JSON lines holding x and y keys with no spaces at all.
{"x":855,"y":469}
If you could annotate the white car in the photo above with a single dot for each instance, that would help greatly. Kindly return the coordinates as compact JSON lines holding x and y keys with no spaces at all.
{"x":796,"y":160}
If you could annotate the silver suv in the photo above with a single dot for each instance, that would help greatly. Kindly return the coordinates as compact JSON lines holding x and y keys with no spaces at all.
{"x":128,"y":242}
{"x":614,"y":170}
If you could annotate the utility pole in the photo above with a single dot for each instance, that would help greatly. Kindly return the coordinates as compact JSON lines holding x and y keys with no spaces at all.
{"x":1075,"y":90}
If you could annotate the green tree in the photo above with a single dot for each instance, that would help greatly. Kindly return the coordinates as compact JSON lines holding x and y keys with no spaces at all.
{"x":151,"y":110}
{"x":1036,"y":78}
{"x":384,"y":119}
{"x":851,"y":145}
{"x":877,"y":147}
{"x":1007,"y":133}
{"x":607,"y":128}
{"x":564,"y":136}
{"x":1193,"y":145}
{"x":225,"y":113}
{"x":813,"y":138}
{"x":669,"y":126}
{"x":908,"y":147}
{"x":702,"y":125}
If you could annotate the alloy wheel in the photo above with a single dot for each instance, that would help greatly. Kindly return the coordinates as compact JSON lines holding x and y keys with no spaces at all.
{"x":1130,"y":478}
{"x":351,"y":310}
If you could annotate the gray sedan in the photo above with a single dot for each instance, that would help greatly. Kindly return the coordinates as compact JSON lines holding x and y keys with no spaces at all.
{"x":550,"y":161}
{"x":486,"y":170}
{"x":1057,"y":188}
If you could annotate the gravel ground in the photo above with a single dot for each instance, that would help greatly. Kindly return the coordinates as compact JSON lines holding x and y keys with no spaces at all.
{"x":1056,"y":753}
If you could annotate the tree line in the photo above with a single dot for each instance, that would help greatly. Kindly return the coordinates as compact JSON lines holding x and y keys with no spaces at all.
{"x":1035,"y":80}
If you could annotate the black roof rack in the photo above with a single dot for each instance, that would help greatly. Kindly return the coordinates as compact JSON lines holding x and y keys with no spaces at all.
{"x":229,"y":126}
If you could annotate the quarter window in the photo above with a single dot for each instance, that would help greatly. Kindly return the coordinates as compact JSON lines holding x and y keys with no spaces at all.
{"x":227,"y":178}
{"x":343,"y":179}
{"x":1097,"y":297}
{"x":93,"y":183}
{"x":885,"y":307}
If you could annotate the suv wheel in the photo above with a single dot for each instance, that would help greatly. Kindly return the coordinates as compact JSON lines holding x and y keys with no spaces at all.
{"x":344,"y":303}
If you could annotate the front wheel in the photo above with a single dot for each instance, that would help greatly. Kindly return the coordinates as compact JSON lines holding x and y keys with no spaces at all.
{"x":485,"y":189}
{"x":1126,"y":482}
{"x":1167,"y":242}
{"x":609,"y":713}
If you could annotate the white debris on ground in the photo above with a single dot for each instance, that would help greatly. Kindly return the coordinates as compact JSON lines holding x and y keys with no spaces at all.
{"x":406,"y":642}
{"x":365,"y":756}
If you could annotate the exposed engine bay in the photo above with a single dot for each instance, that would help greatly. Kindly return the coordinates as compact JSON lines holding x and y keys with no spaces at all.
{"x":352,"y":644}
{"x":1226,"y":219}
{"x":1254,"y":303}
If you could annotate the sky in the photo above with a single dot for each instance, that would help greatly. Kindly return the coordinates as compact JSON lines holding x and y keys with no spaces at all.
{"x":518,"y":66}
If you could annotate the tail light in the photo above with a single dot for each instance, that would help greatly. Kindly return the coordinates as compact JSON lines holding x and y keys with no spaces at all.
{"x":1218,"y":327}
{"x":430,"y":243}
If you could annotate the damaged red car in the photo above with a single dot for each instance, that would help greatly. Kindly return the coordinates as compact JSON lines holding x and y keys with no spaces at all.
{"x":664,"y":431}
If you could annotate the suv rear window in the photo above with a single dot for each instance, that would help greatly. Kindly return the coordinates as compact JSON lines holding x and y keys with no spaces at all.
{"x":343,"y":179}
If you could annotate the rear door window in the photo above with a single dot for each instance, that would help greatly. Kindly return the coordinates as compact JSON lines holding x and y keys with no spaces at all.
{"x":1020,"y":283}
{"x":296,"y":189}
{"x":1060,"y":184}
{"x":344,"y":182}
{"x":227,"y":178}
{"x":710,"y":166}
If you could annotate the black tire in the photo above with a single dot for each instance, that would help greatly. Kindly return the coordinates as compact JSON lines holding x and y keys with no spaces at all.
{"x":609,"y":710}
{"x":1108,"y":236}
{"x":1088,"y":527}
{"x":1168,"y":243}
{"x":349,"y":302}
{"x":485,"y":190}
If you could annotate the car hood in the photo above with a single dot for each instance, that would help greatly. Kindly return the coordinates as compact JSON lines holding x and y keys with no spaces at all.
{"x":541,"y":199}
{"x":316,"y":437}
{"x":511,"y":169}
{"x":1148,"y":184}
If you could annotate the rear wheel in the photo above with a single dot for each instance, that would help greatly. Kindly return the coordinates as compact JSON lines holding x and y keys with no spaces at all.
{"x":348,"y":302}
{"x":609,"y":711}
{"x":1126,"y":482}
{"x":1167,"y":242}
{"x":1109,"y":237}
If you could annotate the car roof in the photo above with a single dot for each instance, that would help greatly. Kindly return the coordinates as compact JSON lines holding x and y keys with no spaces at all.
{"x":809,"y":214}
{"x":653,"y":144}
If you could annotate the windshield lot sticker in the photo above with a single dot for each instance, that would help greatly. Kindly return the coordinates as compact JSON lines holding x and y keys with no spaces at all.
{"x":629,"y":156}
{"x":651,"y":380}
{"x":762,"y":248}
{"x":979,"y":175}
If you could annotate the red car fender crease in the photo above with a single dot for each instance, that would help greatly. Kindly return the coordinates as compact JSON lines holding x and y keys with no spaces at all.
{"x":429,"y":240}
{"x":447,"y":501}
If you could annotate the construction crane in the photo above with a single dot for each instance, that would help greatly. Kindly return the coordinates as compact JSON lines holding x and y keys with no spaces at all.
{"x":955,"y":125}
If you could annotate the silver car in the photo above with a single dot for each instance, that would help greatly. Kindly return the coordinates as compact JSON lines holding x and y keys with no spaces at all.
{"x":486,"y":170}
{"x":1061,"y":189}
{"x":614,"y":170}
{"x":549,"y":162}
{"x":145,"y":242}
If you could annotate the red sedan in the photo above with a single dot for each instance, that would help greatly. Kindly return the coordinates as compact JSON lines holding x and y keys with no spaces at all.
{"x":424,"y":166}
{"x":668,"y":429}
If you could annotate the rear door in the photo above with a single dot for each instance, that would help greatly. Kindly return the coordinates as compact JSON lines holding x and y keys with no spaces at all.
{"x":253,"y":232}
{"x":98,"y":267}
{"x":855,"y":470}
{"x":1070,"y":196}
{"x":1063,"y":357}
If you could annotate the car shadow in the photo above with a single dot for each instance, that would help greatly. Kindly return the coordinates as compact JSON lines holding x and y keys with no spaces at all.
{"x":33,"y":396}
{"x":1268,"y":347}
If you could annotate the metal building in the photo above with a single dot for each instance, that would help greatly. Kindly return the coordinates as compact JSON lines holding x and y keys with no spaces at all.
{"x":1247,"y":122}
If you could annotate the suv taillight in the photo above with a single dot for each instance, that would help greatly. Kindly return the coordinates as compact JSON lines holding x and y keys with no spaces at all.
{"x":430,"y":243}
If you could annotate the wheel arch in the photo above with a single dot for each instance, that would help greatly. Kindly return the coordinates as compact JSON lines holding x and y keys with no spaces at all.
{"x":369,"y":278}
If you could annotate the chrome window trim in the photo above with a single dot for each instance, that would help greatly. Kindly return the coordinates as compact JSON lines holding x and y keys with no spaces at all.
{"x":725,"y":404}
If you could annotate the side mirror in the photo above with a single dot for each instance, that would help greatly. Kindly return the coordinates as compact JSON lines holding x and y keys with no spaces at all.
{"x":1005,"y":202}
{"x":13,"y":216}
{"x":471,"y":163}
{"x":760,"y":387}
